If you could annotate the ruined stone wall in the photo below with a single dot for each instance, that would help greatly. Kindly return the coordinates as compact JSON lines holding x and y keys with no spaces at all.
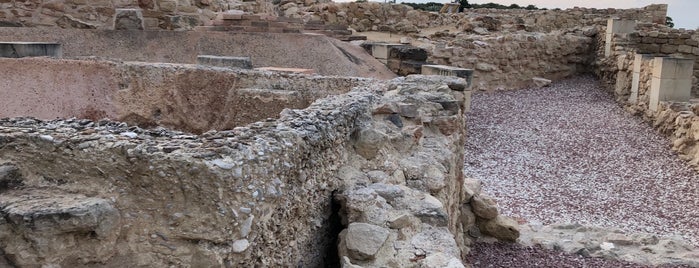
{"x":511,"y":60}
{"x":80,"y":193}
{"x":651,"y":40}
{"x":400,"y":18}
{"x":157,"y":14}
{"x":678,"y":120}
{"x":185,"y":97}
{"x":329,"y":56}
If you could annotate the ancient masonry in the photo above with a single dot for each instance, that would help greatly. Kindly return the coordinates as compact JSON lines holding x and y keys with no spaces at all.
{"x":209,"y":133}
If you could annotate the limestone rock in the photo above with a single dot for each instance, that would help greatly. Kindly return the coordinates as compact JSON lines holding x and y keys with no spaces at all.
{"x":10,"y":177}
{"x":68,"y":21}
{"x":441,"y":260}
{"x":472,"y":187}
{"x":541,"y":82}
{"x":480,"y":30}
{"x":128,"y":19}
{"x":362,"y":240}
{"x":501,"y":227}
{"x":369,"y":143}
{"x":240,"y":245}
{"x":484,"y":207}
{"x":346,"y":263}
{"x":467,"y":217}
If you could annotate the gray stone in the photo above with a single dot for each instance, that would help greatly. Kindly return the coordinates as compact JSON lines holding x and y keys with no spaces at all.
{"x":346,"y":263}
{"x":246,"y":227}
{"x":484,"y":207}
{"x":541,"y":82}
{"x":400,"y":221}
{"x":10,"y":177}
{"x":467,"y":217}
{"x":363,"y":240}
{"x":30,"y":49}
{"x":224,"y":61}
{"x":388,"y":191}
{"x":240,"y":245}
{"x":501,"y":227}
{"x":472,"y":187}
{"x":441,"y":260}
{"x":369,"y":143}
{"x":480,"y":30}
{"x":128,"y":19}
{"x":68,"y":21}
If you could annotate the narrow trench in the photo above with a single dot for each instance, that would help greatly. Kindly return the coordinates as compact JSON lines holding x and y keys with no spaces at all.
{"x":331,"y":258}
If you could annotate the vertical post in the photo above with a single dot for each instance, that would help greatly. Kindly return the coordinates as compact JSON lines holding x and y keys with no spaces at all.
{"x":636,"y":80}
{"x":672,"y":80}
{"x":616,"y":26}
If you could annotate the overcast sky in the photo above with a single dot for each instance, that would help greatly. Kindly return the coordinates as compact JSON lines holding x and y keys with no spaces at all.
{"x":685,"y":13}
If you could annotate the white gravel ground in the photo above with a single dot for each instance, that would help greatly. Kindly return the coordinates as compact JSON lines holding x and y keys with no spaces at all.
{"x":569,"y":154}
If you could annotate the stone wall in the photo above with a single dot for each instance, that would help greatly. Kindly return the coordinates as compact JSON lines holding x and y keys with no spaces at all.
{"x":328,"y":56}
{"x":511,"y":60}
{"x":157,"y":14}
{"x":79,"y":193}
{"x":403,"y":19}
{"x":646,"y":39}
{"x":679,"y":120}
{"x":185,"y":97}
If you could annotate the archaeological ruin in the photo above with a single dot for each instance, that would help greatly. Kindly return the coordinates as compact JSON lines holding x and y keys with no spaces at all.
{"x":212,"y":133}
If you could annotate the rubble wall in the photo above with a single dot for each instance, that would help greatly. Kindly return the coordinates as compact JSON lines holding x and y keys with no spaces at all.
{"x":511,"y":60}
{"x":328,"y":56}
{"x":376,"y":16}
{"x":678,"y":120}
{"x":185,"y":97}
{"x":163,"y":14}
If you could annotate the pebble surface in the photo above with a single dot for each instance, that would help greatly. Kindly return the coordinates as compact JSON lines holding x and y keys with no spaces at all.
{"x":514,"y":256}
{"x":569,"y":153}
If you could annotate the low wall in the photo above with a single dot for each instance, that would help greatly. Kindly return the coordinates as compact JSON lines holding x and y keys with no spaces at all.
{"x":328,"y":56}
{"x":510,"y":61}
{"x":186,"y":97}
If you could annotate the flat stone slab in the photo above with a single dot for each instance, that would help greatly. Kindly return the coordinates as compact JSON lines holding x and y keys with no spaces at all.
{"x":287,"y":70}
{"x":224,"y":61}
{"x":30,"y":49}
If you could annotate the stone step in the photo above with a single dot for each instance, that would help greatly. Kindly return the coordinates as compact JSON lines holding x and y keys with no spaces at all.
{"x":287,"y":70}
{"x":30,"y":49}
{"x":225,"y":61}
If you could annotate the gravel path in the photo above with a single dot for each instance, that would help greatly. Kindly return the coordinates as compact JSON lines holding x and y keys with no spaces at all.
{"x":511,"y":255}
{"x":569,"y":154}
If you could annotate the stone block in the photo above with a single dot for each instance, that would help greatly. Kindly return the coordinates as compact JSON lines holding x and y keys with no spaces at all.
{"x":669,"y":90}
{"x":222,"y":61}
{"x":616,"y":26}
{"x":30,"y":49}
{"x":382,"y":50}
{"x":668,"y":49}
{"x":128,"y":19}
{"x":672,"y":68}
{"x":362,"y":241}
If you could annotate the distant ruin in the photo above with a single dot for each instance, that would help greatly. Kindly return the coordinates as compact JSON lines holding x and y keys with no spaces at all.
{"x":162,"y":133}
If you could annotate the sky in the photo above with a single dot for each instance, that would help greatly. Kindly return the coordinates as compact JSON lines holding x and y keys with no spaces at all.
{"x":684,"y":13}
